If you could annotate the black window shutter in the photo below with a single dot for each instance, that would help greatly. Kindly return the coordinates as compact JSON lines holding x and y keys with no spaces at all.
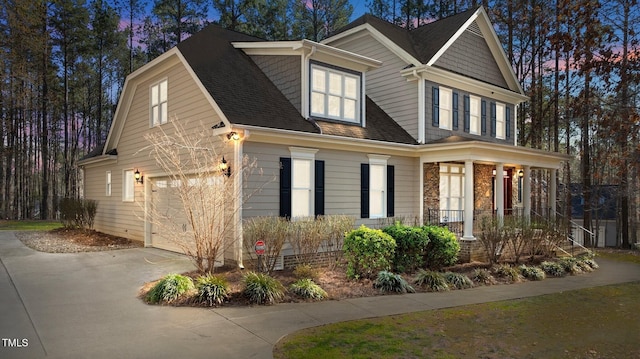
{"x":483,"y":110}
{"x":493,"y":119}
{"x":364,"y":190}
{"x":285,"y":187}
{"x":467,"y":113}
{"x":507,"y":121}
{"x":435,"y":113}
{"x":455,"y":110}
{"x":319,"y":189}
{"x":391,"y":188}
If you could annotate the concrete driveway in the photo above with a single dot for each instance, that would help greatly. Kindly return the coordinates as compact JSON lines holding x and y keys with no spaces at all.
{"x":84,"y":305}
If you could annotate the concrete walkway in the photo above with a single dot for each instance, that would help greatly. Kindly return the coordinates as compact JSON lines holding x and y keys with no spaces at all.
{"x":84,"y":305}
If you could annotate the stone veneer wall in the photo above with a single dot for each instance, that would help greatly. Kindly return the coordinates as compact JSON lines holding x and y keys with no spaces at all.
{"x":431,"y":173}
{"x":483,"y":183}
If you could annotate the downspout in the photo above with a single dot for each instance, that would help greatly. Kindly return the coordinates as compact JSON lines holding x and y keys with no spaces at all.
{"x":238,"y":154}
{"x":305,"y":80}
{"x":421,"y":107}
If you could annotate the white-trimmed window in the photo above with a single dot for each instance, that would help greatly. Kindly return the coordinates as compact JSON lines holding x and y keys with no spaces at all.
{"x":500,"y":120}
{"x":302,"y":181}
{"x":108,"y":184}
{"x":158,"y":102}
{"x":475,"y":113}
{"x":445,"y":102}
{"x":335,"y":94}
{"x":128,"y":193}
{"x":451,"y":192}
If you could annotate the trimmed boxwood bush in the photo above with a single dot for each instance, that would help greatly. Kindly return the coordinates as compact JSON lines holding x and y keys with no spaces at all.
{"x":391,"y":282}
{"x":261,"y":288}
{"x":411,"y":246}
{"x":368,"y":251}
{"x":442,"y":248}
{"x":170,"y":288}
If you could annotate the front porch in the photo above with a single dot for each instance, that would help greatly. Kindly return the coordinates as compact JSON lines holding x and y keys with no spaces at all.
{"x":465,"y":180}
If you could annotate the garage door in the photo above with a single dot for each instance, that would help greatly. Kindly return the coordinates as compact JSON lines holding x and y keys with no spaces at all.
{"x":170,"y":227}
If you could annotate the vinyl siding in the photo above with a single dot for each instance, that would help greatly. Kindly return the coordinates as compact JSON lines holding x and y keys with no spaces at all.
{"x":385,"y":86}
{"x":483,"y":67}
{"x":342,"y":182}
{"x":435,"y":133}
{"x":186,"y":104}
{"x":285,"y":73}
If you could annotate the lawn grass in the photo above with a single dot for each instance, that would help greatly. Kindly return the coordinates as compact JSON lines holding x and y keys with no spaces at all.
{"x":601,"y":322}
{"x":628,"y":256}
{"x":29,"y":225}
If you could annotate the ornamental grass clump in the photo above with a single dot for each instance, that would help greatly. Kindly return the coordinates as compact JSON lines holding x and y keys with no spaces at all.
{"x":391,"y":282}
{"x":482,"y":276}
{"x":458,"y":281}
{"x":212,"y":290}
{"x":583,"y":265}
{"x":261,"y":288}
{"x":570,"y":265}
{"x":307,"y":289}
{"x":553,"y":269}
{"x":507,"y":272}
{"x":591,"y":263}
{"x":170,"y":288}
{"x":532,"y":273}
{"x":431,"y":280}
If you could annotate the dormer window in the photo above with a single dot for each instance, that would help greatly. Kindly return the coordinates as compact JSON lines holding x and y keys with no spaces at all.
{"x":335,"y":94}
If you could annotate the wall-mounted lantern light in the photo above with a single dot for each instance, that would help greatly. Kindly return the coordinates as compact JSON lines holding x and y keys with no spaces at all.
{"x":233,"y":136}
{"x":138,"y":177}
{"x":521,"y":173}
{"x":225,"y":168}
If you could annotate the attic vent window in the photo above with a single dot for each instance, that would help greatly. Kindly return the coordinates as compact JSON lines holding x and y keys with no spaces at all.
{"x":335,"y":94}
{"x":475,"y":29}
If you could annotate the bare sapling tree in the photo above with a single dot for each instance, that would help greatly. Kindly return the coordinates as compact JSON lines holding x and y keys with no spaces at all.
{"x":194,"y":163}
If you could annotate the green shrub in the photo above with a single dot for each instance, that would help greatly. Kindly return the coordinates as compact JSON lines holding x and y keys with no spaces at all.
{"x":368,"y":251}
{"x":532,"y":273}
{"x":570,"y":265}
{"x":78,"y":212}
{"x":591,"y":263}
{"x":306,"y":271}
{"x":307,"y":289}
{"x":433,"y":281}
{"x":390,"y":282}
{"x":411,"y":246}
{"x":554,"y":269}
{"x":458,"y":281}
{"x":260,"y":288}
{"x":508,"y":272}
{"x":212,"y":290}
{"x":442,"y":249}
{"x":482,"y":275}
{"x":170,"y":288}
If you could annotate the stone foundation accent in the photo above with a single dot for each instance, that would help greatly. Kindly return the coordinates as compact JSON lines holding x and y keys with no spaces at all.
{"x":431,"y":173}
{"x":471,"y":251}
{"x":483,"y":184}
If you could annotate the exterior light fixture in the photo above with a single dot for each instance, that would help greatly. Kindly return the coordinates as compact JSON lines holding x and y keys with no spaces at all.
{"x":521,"y":173}
{"x":138,"y":177}
{"x":225,"y":168}
{"x":233,"y":136}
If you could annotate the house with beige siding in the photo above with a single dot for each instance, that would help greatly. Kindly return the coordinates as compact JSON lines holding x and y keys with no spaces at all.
{"x":376,"y":122}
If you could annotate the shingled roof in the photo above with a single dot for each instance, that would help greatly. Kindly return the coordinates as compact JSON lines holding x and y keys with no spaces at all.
{"x":422,"y":42}
{"x":247,"y":96}
{"x":244,"y":93}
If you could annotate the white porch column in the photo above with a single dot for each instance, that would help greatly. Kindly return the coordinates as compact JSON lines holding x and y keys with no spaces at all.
{"x":421,"y":189}
{"x":500,"y":192}
{"x":553,"y":190}
{"x":468,"y":201}
{"x":526,"y":192}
